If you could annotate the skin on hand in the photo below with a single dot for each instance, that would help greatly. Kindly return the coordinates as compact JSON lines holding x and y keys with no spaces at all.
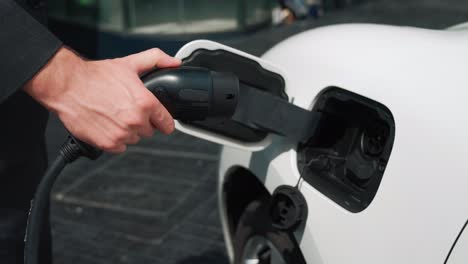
{"x":103,"y":103}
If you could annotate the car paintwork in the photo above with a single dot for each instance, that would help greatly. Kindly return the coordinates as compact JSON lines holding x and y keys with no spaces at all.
{"x":421,"y":75}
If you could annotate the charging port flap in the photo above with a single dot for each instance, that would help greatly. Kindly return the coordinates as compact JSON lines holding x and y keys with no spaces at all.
{"x":346,"y":157}
{"x":256,"y":78}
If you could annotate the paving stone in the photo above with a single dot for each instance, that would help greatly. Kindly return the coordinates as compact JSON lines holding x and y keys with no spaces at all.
{"x":79,"y":251}
{"x":180,"y":142}
{"x":78,"y":169}
{"x":210,"y":232}
{"x":98,"y":243}
{"x":140,"y":184}
{"x":122,"y":224}
{"x":212,"y":256}
{"x":195,"y":202}
{"x":207,"y":214}
{"x":165,"y":166}
{"x":132,"y":194}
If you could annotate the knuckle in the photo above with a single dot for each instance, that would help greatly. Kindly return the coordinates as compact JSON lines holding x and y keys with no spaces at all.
{"x":134,"y":121}
{"x":157,"y":52}
{"x":169,"y":121}
{"x":131,"y":123}
{"x":145,"y":103}
{"x":159,"y":113}
{"x":165,"y":123}
{"x":169,"y":128}
{"x":106,"y":145}
{"x":119,"y":136}
{"x":147,"y":132}
{"x":135,"y":140}
{"x":160,"y":118}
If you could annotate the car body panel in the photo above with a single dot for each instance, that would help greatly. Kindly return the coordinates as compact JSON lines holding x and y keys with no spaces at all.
{"x":421,"y":76}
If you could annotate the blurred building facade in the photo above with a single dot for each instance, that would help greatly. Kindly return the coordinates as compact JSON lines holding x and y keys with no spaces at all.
{"x":164,"y":17}
{"x":111,"y":28}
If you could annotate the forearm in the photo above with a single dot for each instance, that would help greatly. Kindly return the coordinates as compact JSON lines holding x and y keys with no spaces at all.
{"x":25,"y":47}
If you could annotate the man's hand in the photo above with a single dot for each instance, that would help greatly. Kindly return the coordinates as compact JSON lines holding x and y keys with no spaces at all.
{"x":103,"y":103}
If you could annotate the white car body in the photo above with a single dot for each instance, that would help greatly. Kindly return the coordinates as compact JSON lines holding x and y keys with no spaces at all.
{"x":421,"y":204}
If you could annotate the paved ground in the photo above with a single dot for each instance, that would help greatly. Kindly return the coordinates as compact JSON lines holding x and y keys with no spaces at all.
{"x":154,"y":204}
{"x":157,"y":202}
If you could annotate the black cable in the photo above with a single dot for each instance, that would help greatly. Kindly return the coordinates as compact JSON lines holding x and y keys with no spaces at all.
{"x":39,"y":206}
{"x":70,"y":151}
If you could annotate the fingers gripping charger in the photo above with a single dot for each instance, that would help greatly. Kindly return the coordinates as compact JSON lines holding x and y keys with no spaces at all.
{"x":188,"y":93}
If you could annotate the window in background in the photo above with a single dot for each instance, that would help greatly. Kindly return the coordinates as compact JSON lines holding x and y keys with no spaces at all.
{"x":164,"y":17}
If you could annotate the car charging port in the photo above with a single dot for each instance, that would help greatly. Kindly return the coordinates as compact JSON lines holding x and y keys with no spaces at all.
{"x":288,"y":209}
{"x":345,"y":158}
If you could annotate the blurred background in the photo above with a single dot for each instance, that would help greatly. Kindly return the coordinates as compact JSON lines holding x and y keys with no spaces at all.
{"x":157,"y":203}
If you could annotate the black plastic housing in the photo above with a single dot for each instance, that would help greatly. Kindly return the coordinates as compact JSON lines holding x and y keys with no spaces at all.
{"x":194,"y":93}
{"x":251,"y":74}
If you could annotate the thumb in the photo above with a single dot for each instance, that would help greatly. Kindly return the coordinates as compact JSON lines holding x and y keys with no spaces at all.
{"x":147,"y":60}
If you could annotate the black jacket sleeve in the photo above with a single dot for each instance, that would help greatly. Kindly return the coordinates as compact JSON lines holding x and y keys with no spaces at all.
{"x":25,"y":47}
